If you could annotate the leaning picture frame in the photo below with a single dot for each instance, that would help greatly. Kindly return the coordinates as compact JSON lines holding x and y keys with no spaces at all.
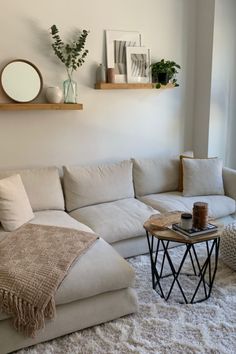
{"x":116,"y":42}
{"x":138,"y":61}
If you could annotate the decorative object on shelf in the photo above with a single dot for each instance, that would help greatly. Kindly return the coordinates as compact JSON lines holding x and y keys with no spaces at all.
{"x":116,"y":41}
{"x":101,"y":74}
{"x":53,"y":94}
{"x":164,"y":72}
{"x":70,"y":90}
{"x":21,"y":80}
{"x":111,"y":75}
{"x":72,"y":55}
{"x":138,"y":64}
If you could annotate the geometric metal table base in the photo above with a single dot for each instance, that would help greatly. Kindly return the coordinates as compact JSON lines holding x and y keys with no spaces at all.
{"x":205,"y":273}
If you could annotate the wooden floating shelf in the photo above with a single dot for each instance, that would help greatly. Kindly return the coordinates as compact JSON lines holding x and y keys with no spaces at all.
{"x":129,"y":86}
{"x":40,"y":106}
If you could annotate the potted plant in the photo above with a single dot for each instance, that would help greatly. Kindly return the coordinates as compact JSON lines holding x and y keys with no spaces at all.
{"x":164,"y":72}
{"x":72,"y":55}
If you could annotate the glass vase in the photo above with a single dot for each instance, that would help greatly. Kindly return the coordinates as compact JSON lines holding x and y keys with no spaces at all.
{"x":70,"y":90}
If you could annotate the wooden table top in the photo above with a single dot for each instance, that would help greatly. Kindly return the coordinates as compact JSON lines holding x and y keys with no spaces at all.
{"x":171,"y":235}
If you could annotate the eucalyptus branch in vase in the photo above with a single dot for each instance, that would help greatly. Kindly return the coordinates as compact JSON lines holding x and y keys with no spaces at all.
{"x":72,"y":55}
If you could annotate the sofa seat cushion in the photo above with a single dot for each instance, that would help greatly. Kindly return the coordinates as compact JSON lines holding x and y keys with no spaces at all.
{"x":53,"y":218}
{"x":58,"y":218}
{"x":117,"y":220}
{"x":218,"y":205}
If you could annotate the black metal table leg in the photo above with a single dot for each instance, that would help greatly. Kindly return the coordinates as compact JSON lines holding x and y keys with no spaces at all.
{"x":199,"y":271}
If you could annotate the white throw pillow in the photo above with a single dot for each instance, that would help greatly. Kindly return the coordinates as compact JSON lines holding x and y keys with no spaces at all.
{"x":15,"y":208}
{"x":202,"y":177}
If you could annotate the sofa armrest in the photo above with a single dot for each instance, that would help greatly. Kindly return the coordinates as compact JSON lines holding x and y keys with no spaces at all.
{"x":229,"y":179}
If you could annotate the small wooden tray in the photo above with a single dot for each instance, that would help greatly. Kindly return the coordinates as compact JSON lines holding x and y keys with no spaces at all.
{"x":162,"y":221}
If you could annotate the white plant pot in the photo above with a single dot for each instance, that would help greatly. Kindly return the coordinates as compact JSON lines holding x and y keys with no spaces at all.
{"x":54,"y":94}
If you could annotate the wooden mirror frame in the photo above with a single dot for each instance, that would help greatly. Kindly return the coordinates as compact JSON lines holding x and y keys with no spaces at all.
{"x":35,"y":68}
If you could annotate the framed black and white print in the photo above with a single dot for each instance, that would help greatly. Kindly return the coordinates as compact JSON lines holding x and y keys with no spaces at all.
{"x":116,"y":43}
{"x":138,"y":61}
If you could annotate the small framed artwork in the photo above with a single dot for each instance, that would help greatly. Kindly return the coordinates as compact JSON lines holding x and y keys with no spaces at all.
{"x":138,"y":61}
{"x":116,"y":43}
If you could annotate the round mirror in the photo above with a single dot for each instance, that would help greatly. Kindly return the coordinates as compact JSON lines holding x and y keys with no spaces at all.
{"x":21,"y":80}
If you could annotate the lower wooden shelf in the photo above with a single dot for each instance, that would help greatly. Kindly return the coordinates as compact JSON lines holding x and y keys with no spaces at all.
{"x":40,"y":106}
{"x":129,"y":86}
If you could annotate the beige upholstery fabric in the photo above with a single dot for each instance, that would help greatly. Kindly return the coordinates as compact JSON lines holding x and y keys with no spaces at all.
{"x":218,"y":205}
{"x":229,"y":179}
{"x":90,"y":185}
{"x":15,"y":208}
{"x":188,"y":155}
{"x":155,"y":175}
{"x":42,"y":186}
{"x":117,"y":220}
{"x":135,"y":246}
{"x":73,"y":317}
{"x":202,"y":177}
{"x":100,"y":270}
{"x":58,"y":218}
{"x":53,"y":218}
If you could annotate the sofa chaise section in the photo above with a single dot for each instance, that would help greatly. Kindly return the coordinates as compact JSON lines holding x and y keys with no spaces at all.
{"x":99,"y":285}
{"x":102,"y":197}
{"x":98,"y":288}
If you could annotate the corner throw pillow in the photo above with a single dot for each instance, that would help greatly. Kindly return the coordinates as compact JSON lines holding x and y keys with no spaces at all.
{"x":185,"y":155}
{"x":202,"y":177}
{"x":15,"y":208}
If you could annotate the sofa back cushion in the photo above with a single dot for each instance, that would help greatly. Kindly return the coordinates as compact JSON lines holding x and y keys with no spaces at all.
{"x":89,"y":185}
{"x":156,"y":175}
{"x":42,"y":186}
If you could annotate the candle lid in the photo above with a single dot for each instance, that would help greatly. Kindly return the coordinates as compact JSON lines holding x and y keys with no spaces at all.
{"x":186,"y":216}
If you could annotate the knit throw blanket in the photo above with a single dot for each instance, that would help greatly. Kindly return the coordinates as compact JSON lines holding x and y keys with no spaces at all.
{"x":33,"y":262}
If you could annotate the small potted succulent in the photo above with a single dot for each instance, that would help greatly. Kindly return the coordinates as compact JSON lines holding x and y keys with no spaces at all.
{"x":164,"y":72}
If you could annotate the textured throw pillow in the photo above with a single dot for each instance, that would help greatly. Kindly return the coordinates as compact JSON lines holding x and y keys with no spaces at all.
{"x":185,"y":155}
{"x":15,"y":208}
{"x":202,"y":177}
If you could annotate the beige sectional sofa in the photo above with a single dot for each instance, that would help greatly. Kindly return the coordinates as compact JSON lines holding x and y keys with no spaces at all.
{"x":113,"y":201}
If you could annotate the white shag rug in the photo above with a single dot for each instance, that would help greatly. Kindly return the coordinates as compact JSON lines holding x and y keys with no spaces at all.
{"x":160,"y":327}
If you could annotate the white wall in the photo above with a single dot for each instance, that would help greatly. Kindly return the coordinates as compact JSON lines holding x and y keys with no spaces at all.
{"x":222,"y":127}
{"x":114,"y":124}
{"x":214,"y":125}
{"x":204,"y":47}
